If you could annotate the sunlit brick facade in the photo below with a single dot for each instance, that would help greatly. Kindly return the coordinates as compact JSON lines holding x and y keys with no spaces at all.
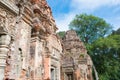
{"x":29,"y":46}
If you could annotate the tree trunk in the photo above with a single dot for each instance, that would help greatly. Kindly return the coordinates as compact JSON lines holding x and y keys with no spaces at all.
{"x":96,"y":74}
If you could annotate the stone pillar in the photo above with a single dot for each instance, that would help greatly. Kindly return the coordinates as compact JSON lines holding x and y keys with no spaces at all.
{"x":58,"y":72}
{"x":4,"y":48}
{"x":47,"y":67}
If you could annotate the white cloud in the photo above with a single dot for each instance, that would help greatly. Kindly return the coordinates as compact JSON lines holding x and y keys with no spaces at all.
{"x":80,"y":6}
{"x":117,"y":25}
{"x":115,"y":22}
{"x":63,"y":21}
{"x":93,"y":4}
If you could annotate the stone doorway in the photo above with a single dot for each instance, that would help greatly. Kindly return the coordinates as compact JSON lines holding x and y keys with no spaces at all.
{"x":52,"y":73}
{"x":69,"y":76}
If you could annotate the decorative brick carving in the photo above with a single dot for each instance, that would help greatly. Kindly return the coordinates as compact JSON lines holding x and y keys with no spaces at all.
{"x":75,"y":58}
{"x":35,"y":51}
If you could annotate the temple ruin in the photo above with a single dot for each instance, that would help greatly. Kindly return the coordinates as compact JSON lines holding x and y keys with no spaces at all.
{"x":76,"y":63}
{"x":30,"y":49}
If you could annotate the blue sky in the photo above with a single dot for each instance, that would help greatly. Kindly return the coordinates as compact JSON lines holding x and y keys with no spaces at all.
{"x":65,"y":10}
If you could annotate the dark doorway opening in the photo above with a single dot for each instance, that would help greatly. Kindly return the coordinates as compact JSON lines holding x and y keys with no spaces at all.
{"x":52,"y":74}
{"x":69,"y":76}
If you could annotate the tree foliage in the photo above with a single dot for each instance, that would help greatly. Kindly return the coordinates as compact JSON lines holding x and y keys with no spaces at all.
{"x":105,"y":53}
{"x":116,"y":32}
{"x":90,"y":27}
{"x":61,"y":34}
{"x":103,"y":47}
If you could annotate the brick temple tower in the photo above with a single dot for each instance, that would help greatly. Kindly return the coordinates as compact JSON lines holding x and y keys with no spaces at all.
{"x":76,"y":63}
{"x":29,"y":46}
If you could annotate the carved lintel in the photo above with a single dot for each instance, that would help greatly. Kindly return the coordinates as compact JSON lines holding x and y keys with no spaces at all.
{"x":7,"y":22}
{"x":9,"y":6}
{"x":3,"y":29}
{"x":2,"y":13}
{"x":11,"y":23}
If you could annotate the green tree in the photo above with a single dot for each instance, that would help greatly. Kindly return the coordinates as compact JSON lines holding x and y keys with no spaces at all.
{"x":61,"y":34}
{"x":105,"y":53}
{"x":103,"y":47}
{"x":116,"y":32}
{"x":90,"y":27}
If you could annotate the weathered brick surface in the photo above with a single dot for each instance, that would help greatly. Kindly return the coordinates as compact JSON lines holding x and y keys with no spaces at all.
{"x":30,"y":48}
{"x":34,"y":49}
{"x":75,"y":60}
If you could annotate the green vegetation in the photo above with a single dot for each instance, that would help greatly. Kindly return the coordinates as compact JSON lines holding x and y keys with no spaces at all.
{"x":116,"y":32}
{"x":90,"y":27}
{"x":105,"y":53}
{"x":61,"y":34}
{"x":102,"y":44}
